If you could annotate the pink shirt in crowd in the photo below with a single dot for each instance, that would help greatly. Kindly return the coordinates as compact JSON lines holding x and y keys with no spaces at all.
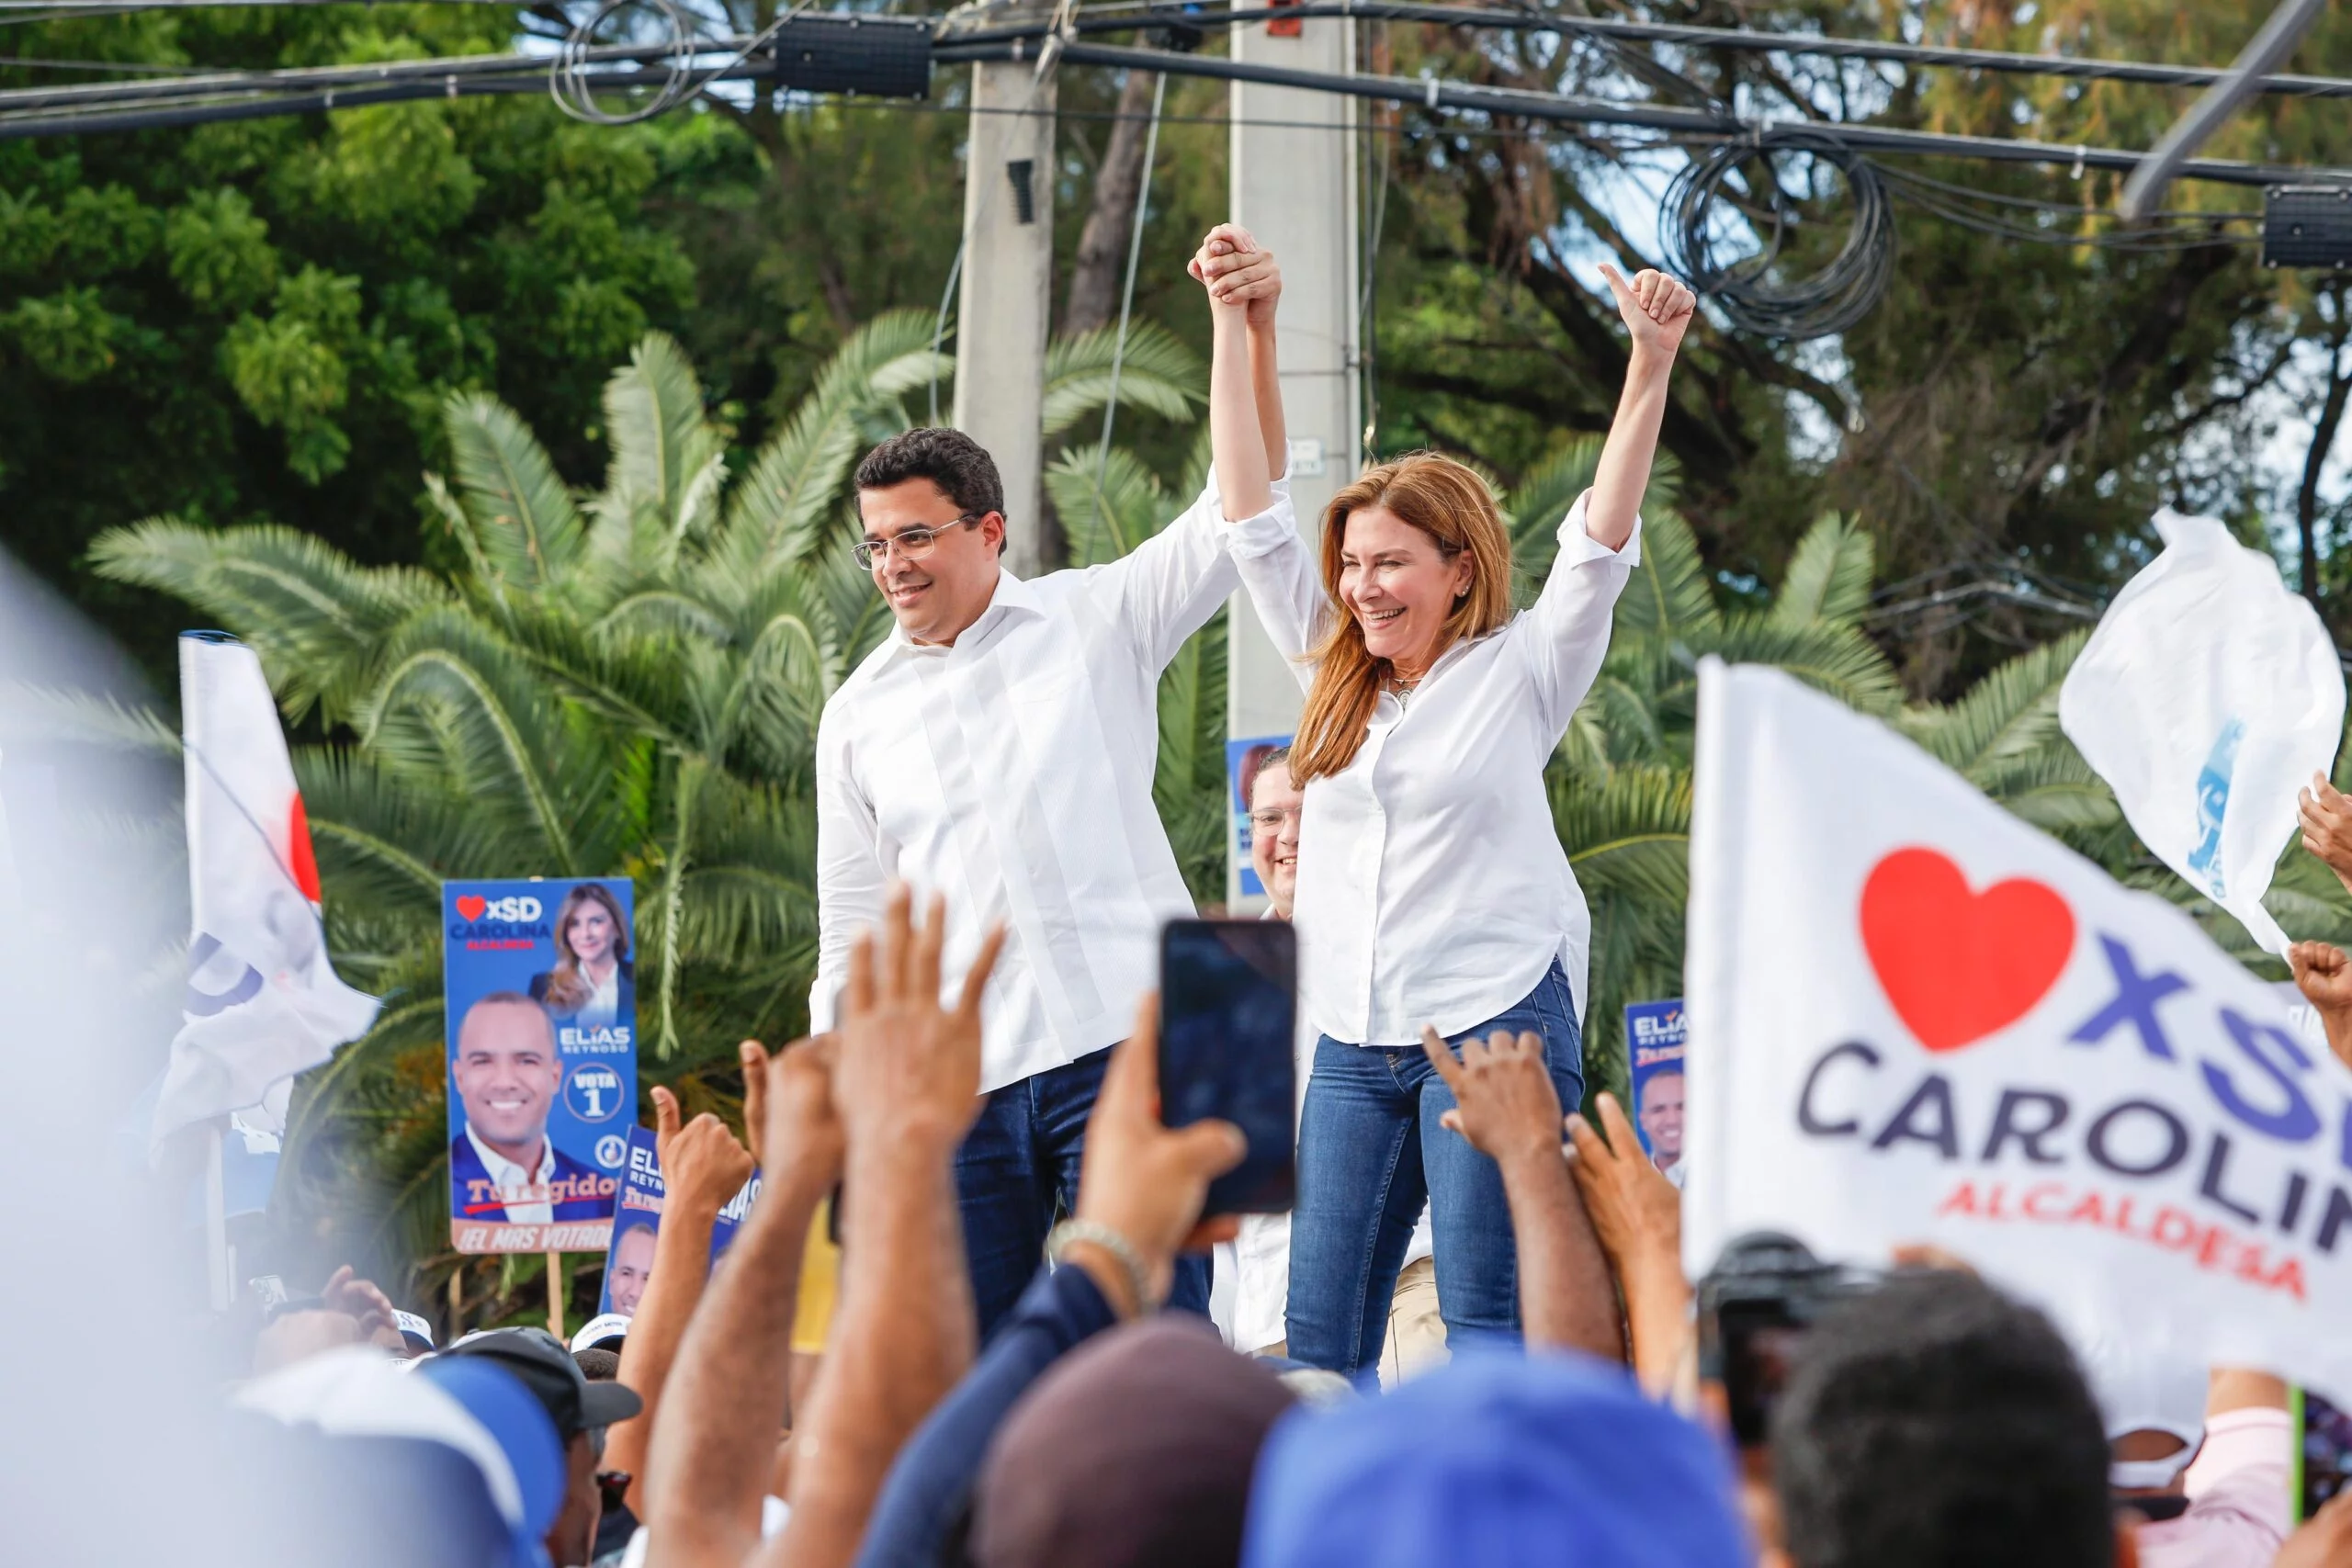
{"x":2239,"y":1510}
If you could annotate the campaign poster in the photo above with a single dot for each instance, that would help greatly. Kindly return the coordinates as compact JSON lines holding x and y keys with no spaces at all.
{"x":541,"y":994}
{"x":637,"y":1222}
{"x":1654,"y":1072}
{"x":1242,"y":761}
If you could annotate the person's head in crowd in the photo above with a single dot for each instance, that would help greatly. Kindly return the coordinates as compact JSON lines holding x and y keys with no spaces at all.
{"x":933,"y":507}
{"x":1416,"y":556}
{"x":581,"y":1410}
{"x":1275,"y":803}
{"x":590,"y":935}
{"x":598,"y":1364}
{"x":1661,"y":1117}
{"x":507,"y":1074}
{"x":455,"y":1467}
{"x":1494,"y":1462}
{"x":1136,"y":1450}
{"x":631,"y":1268}
{"x":2154,"y":1405}
{"x":602,"y":1333}
{"x":1935,"y":1423}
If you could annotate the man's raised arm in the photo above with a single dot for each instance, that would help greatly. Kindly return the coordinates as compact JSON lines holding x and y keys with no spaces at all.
{"x":1167,"y":587}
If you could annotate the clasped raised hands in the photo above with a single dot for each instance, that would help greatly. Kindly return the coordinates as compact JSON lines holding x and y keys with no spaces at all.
{"x":1239,"y":272}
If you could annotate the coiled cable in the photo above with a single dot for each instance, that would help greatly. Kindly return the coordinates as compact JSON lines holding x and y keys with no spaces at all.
{"x":1750,"y":289}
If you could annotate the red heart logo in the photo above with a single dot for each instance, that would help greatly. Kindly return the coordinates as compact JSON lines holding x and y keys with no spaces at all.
{"x":471,"y":906}
{"x":1958,"y":964}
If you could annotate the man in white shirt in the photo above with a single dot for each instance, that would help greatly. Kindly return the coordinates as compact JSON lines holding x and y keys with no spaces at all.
{"x":998,"y":748}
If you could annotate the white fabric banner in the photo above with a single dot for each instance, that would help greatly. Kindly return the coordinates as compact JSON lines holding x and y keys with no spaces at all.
{"x":1913,"y":1018}
{"x":2207,"y":698}
{"x":263,"y":1001}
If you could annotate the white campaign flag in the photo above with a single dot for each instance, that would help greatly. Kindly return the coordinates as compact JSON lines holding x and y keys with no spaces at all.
{"x":1913,"y":1018}
{"x":263,"y":1001}
{"x":2206,"y":699}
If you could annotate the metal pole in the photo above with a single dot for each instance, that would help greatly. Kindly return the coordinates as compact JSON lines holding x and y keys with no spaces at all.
{"x":2144,"y":191}
{"x":1293,"y":186}
{"x":1007,"y":295}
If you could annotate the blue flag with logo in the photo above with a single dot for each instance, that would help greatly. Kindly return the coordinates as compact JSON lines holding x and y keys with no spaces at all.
{"x":540,"y":984}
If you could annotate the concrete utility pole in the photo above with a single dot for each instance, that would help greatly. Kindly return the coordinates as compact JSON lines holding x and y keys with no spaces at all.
{"x":1293,"y":182}
{"x":1006,"y":299}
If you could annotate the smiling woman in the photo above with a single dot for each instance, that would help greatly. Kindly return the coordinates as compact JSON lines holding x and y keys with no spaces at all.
{"x":1430,"y":875}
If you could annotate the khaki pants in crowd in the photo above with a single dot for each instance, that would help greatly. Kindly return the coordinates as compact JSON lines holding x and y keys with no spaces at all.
{"x":1416,"y":1332}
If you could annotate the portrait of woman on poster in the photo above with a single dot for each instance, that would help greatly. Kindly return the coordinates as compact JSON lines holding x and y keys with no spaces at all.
{"x":593,"y":983}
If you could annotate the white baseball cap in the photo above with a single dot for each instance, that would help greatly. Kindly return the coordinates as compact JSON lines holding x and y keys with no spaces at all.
{"x":605,"y":1333}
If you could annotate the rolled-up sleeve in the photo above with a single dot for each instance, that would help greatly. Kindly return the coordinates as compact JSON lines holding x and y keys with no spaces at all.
{"x":1278,"y":574}
{"x":1565,"y":635}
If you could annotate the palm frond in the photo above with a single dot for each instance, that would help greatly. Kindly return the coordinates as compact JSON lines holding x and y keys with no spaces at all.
{"x":2010,"y":713}
{"x":1158,"y":373}
{"x":1104,"y":520}
{"x":1828,"y":578}
{"x":1670,"y":597}
{"x":519,"y":522}
{"x":779,"y":507}
{"x":664,"y":448}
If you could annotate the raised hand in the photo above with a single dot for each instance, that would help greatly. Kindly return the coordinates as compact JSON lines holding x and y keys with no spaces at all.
{"x":1143,"y":1181}
{"x":1504,"y":1100}
{"x":1237,"y":271}
{"x":1657,"y":310}
{"x":365,"y":1304}
{"x":2327,"y":816}
{"x":703,"y":1166}
{"x":801,"y":1131}
{"x":910,"y":1069}
{"x":2323,"y":973}
{"x":1634,"y":1207}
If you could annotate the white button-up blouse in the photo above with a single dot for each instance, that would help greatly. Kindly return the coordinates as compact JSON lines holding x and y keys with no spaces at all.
{"x":1429,"y":871}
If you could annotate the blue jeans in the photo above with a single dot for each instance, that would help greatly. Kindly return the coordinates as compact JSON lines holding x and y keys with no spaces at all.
{"x":1370,"y":1152}
{"x":1020,"y":1155}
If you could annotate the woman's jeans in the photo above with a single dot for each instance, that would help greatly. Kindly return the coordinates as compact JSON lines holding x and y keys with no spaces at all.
{"x":1370,"y":1151}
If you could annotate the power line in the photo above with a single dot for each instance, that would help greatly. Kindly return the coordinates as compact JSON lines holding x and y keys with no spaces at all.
{"x":1128,"y":17}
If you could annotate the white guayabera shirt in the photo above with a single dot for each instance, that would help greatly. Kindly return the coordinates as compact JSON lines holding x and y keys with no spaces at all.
{"x":1429,"y":871}
{"x":1011,"y":771}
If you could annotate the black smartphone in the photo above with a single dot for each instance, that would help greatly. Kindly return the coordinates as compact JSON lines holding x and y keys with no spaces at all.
{"x":1228,"y":997}
{"x":1755,"y":1307}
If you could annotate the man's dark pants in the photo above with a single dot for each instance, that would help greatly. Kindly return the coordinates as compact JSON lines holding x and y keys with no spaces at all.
{"x":1020,"y":1158}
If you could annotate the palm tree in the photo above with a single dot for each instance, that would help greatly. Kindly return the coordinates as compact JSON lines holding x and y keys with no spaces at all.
{"x":623,"y":680}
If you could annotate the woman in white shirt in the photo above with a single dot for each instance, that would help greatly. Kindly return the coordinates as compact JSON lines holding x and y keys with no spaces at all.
{"x":1431,"y":877}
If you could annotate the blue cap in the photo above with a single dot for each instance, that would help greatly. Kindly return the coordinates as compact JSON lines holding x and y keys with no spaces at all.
{"x":460,"y":1459}
{"x":1496,"y":1462}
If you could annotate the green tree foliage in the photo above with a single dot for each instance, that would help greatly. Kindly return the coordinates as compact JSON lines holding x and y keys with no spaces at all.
{"x":263,"y":318}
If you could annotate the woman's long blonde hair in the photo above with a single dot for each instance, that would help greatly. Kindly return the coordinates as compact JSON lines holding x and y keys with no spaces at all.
{"x":1451,"y":504}
{"x":568,"y":988}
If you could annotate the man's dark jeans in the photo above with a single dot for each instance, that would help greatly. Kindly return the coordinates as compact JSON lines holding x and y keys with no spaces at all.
{"x":1020,"y":1155}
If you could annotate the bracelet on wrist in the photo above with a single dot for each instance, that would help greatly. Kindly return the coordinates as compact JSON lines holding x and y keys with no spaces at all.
{"x":1122,"y":1251}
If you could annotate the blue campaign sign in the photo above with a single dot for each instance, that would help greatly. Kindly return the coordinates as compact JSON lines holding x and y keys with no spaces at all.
{"x":637,"y":1225}
{"x":1654,"y":1040}
{"x":1242,"y":761}
{"x":540,"y":983}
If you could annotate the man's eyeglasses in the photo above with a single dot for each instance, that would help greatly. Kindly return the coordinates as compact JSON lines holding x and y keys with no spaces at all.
{"x":911,"y":544}
{"x":1271,"y":821}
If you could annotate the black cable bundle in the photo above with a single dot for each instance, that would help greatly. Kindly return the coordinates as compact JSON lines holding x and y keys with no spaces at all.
{"x":1829,"y":301}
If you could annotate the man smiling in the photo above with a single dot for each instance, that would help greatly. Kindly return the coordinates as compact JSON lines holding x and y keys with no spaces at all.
{"x":504,"y":1166}
{"x":998,"y":748}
